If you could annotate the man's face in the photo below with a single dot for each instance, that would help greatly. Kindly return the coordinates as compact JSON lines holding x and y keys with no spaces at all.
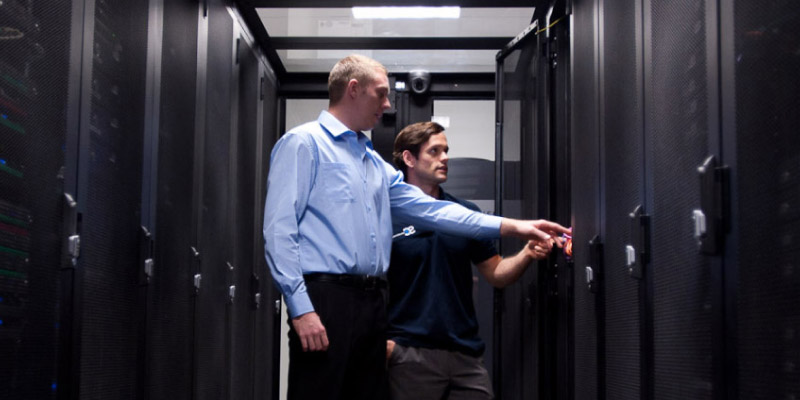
{"x":431,"y":163}
{"x":373,"y":100}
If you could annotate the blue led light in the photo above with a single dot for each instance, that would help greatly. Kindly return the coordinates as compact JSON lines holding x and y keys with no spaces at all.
{"x":1,"y":299}
{"x":2,"y":161}
{"x":5,"y":116}
{"x":53,"y":386}
{"x":1,"y":322}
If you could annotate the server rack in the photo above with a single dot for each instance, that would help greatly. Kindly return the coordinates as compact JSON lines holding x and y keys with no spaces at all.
{"x":515,"y":347}
{"x":99,"y":152}
{"x":696,"y":83}
{"x":761,"y":147}
{"x":589,"y":307}
{"x":171,"y":302}
{"x":39,"y":83}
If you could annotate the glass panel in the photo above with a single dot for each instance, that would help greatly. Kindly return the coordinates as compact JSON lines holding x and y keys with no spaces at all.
{"x":396,"y":61}
{"x":474,"y":22}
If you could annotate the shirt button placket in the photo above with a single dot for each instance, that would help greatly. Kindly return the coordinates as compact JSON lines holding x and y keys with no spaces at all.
{"x":374,"y":249}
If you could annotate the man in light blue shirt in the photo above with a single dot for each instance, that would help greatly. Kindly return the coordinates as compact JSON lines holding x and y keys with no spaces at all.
{"x":328,"y":232}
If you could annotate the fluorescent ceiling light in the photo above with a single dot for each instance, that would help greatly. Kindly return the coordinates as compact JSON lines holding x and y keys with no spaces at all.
{"x":406,"y":12}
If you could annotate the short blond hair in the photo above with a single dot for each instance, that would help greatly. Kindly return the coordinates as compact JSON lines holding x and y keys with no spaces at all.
{"x":354,"y":66}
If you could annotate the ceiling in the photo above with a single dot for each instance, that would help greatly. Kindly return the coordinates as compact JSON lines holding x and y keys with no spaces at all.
{"x":310,"y":36}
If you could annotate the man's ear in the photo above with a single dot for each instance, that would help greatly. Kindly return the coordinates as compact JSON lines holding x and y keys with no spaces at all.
{"x":409,"y":159}
{"x":352,"y":87}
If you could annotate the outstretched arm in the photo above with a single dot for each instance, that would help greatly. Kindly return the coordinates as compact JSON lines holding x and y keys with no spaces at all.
{"x":539,"y":229}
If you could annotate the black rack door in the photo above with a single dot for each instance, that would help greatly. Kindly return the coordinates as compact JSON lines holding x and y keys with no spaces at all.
{"x":589,"y":364}
{"x":622,"y":158}
{"x":267,"y":318}
{"x":38,"y":94}
{"x":517,"y":308}
{"x":109,"y":197}
{"x":680,"y":132}
{"x":243,"y":175}
{"x":171,"y":303}
{"x":215,"y":276}
{"x":763,"y":149}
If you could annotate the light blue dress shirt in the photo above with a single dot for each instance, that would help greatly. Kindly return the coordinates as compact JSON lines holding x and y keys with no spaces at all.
{"x":330,"y":204}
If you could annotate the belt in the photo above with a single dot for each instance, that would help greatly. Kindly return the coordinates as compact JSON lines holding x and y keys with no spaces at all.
{"x":365,"y":282}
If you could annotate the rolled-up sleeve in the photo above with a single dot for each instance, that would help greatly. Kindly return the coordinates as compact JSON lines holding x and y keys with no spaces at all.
{"x":291,"y":174}
{"x":412,"y":206}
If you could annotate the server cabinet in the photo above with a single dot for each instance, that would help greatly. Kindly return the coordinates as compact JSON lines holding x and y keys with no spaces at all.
{"x":243,"y":173}
{"x":680,"y":119}
{"x":38,"y":97}
{"x":171,"y":302}
{"x":514,"y":103}
{"x":712,"y":78}
{"x":215,"y":273}
{"x":589,"y":308}
{"x":555,"y":144}
{"x":622,"y":152}
{"x":109,"y":197}
{"x":760,"y":144}
{"x":267,"y":301}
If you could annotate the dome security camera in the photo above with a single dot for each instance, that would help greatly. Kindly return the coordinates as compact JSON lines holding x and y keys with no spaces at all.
{"x":419,"y":81}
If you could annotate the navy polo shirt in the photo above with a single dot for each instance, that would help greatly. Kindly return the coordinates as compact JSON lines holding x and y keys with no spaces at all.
{"x":430,"y":288}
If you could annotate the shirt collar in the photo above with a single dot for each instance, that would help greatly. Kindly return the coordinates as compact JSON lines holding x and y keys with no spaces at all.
{"x":336,"y":128}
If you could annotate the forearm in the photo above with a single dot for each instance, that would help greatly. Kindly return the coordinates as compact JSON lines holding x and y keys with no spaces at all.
{"x":510,"y":269}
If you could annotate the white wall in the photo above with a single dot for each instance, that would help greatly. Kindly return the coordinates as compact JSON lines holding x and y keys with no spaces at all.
{"x":300,"y":111}
{"x":471,"y":130}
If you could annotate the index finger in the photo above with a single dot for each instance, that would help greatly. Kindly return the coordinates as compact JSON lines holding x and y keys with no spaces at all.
{"x":538,"y":235}
{"x":553,"y":227}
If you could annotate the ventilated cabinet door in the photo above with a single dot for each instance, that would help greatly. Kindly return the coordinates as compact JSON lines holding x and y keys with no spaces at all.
{"x":622,"y":144}
{"x":109,"y":197}
{"x":245,"y":207}
{"x":680,"y":120}
{"x":762,"y":94}
{"x":587,"y":239}
{"x":170,"y":324}
{"x":267,"y":318}
{"x":213,"y":304}
{"x":38,"y":112}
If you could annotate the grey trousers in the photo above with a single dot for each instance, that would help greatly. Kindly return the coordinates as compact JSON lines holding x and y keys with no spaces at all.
{"x":420,"y":374}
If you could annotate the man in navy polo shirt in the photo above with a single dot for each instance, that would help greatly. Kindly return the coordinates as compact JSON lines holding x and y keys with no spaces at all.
{"x":434,"y":350}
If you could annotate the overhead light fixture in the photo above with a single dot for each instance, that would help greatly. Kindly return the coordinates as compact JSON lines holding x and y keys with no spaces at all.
{"x":406,"y":12}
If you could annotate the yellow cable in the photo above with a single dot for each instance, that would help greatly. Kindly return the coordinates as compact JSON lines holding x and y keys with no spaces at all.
{"x":549,"y":26}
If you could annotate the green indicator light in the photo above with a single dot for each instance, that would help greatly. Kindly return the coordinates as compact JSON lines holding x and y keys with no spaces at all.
{"x":14,"y":221}
{"x":12,"y":274}
{"x":13,"y":251}
{"x":12,"y":125}
{"x":11,"y":171}
{"x":16,"y":83}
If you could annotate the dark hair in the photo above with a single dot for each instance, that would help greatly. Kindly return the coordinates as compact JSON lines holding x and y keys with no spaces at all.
{"x":411,"y":138}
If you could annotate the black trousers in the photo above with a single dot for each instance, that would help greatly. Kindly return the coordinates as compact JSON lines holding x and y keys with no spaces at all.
{"x":354,"y":366}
